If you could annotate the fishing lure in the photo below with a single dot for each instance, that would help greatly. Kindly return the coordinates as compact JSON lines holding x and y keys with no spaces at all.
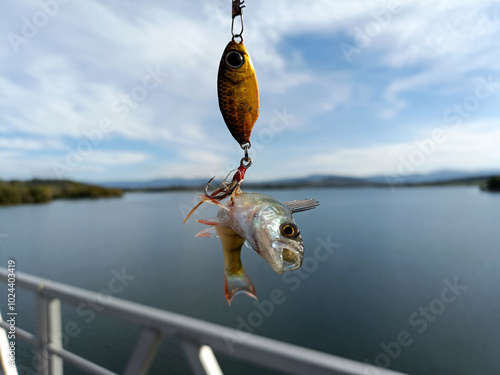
{"x":238,"y":94}
{"x":238,"y":91}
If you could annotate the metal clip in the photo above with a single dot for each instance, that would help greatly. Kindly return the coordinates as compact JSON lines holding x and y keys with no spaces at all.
{"x":246,"y":161}
{"x":237,"y":11}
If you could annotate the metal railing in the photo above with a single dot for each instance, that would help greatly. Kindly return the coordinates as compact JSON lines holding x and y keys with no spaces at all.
{"x":197,"y":337}
{"x":5,"y":367}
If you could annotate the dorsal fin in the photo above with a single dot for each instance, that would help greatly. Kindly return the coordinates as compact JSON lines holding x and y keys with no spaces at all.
{"x":301,"y":205}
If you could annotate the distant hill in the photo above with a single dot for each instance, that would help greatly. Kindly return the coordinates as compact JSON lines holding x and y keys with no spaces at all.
{"x":178,"y":183}
{"x":40,"y":191}
{"x":437,"y":178}
{"x":43,"y":191}
{"x":159,"y":183}
{"x":312,"y":181}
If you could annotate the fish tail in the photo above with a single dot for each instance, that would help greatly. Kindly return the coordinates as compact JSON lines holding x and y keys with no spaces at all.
{"x":238,"y":282}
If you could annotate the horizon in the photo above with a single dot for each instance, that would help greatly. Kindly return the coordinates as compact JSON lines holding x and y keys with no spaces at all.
{"x":102,"y":92}
{"x":390,"y":179}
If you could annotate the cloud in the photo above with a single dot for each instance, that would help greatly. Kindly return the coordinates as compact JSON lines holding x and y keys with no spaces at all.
{"x":471,"y":147}
{"x":19,"y":165}
{"x":29,"y":144}
{"x":116,"y":158}
{"x":90,"y":61}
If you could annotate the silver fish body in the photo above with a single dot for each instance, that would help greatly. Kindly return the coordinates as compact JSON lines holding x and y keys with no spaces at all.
{"x":266,"y":224}
{"x":262,"y":221}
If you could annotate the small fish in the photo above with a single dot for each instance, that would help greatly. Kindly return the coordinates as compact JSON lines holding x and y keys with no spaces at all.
{"x":238,"y":91}
{"x":267,"y":225}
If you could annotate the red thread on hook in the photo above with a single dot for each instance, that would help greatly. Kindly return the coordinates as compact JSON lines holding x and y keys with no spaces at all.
{"x":239,"y":174}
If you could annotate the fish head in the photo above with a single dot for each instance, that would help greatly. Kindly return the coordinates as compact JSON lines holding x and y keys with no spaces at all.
{"x":236,"y":63}
{"x":277,"y":239}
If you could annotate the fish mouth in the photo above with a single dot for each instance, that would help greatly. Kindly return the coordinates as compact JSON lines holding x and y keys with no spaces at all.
{"x":292,"y":259}
{"x":286,"y":258}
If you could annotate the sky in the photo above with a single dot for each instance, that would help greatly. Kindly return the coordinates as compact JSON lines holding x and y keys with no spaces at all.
{"x":126,"y":90}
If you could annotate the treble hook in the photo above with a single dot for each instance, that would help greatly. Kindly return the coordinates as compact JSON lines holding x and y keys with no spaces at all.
{"x":238,"y":6}
{"x":225,"y":190}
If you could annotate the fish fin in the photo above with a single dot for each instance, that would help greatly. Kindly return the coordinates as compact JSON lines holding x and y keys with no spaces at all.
{"x":208,"y":232}
{"x":301,"y":205}
{"x":210,"y":200}
{"x":204,"y":199}
{"x":213,"y":221}
{"x":247,"y":244}
{"x":192,"y":211}
{"x":238,"y":283}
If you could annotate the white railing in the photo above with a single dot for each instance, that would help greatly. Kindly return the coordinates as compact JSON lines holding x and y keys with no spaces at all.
{"x":197,"y":337}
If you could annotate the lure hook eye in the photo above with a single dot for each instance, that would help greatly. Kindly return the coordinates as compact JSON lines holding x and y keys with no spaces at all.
{"x":289,"y":230}
{"x":235,"y":59}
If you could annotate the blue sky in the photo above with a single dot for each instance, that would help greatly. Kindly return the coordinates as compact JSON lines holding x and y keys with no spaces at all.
{"x":122,"y":90}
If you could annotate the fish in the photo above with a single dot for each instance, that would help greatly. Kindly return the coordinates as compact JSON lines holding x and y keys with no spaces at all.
{"x":267,"y":225}
{"x":238,"y":91}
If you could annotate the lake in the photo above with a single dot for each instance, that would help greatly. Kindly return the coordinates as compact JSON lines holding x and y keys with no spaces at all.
{"x":408,"y":279}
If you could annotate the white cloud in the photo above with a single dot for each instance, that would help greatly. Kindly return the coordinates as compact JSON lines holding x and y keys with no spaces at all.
{"x":470,"y":147}
{"x":16,"y":165}
{"x":22,"y":165}
{"x":29,"y":144}
{"x":67,"y":78}
{"x":116,"y":158}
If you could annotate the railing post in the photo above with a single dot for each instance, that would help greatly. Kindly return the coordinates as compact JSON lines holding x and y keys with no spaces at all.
{"x":144,"y":352}
{"x":201,"y":358}
{"x":4,"y":350}
{"x":49,"y":332}
{"x":55,"y":335}
{"x":42,"y":333}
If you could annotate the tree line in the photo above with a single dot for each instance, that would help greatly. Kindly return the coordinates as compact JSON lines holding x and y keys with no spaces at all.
{"x":43,"y":191}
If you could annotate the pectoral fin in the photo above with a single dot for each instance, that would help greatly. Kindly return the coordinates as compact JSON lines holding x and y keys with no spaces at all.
{"x":207,"y":232}
{"x":213,"y":221}
{"x":210,"y":232}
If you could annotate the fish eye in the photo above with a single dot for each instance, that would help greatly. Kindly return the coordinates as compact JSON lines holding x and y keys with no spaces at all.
{"x":289,"y":230}
{"x":234,"y":59}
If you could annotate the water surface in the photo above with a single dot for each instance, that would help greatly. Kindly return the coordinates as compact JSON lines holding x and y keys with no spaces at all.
{"x":391,"y":257}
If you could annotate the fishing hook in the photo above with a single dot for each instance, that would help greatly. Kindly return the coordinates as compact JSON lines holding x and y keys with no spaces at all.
{"x":225,"y":190}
